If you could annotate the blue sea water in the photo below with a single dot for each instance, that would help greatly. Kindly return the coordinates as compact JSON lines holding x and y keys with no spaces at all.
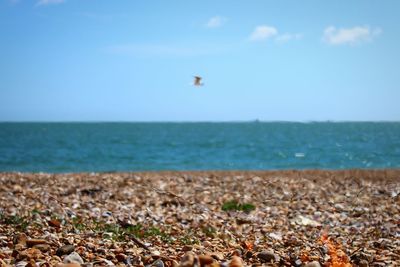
{"x":97,"y":147}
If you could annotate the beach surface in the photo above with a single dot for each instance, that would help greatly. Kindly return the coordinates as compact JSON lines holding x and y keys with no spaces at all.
{"x":275,"y":218}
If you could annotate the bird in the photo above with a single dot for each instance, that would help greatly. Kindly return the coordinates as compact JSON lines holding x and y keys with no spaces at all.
{"x":197,"y":81}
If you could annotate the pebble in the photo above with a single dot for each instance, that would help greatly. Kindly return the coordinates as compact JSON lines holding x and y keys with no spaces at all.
{"x":207,"y":244}
{"x":313,"y":264}
{"x":205,"y":259}
{"x":276,"y":236}
{"x":157,"y":263}
{"x":31,"y":263}
{"x":64,"y":250}
{"x":187,"y":248}
{"x":54,"y":223}
{"x":268,"y":256}
{"x":121,"y":257}
{"x":68,"y":265}
{"x":217,"y":255}
{"x":303,"y":220}
{"x":174,"y":263}
{"x":21,"y":239}
{"x":33,"y":242}
{"x":73,"y":258}
{"x":107,"y":214}
{"x":42,"y":247}
{"x":21,"y":264}
{"x":363,"y":263}
{"x":31,"y":253}
{"x":108,"y":263}
{"x":236,"y":262}
{"x":187,"y":260}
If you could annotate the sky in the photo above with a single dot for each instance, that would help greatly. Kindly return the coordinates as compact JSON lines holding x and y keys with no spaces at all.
{"x":99,"y":60}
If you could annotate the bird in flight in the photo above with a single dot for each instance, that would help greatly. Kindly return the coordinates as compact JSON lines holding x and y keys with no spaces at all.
{"x":197,"y":81}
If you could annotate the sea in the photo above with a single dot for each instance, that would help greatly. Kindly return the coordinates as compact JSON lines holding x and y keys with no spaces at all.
{"x":156,"y":146}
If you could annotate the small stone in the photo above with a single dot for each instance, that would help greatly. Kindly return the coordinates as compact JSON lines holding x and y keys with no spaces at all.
{"x":33,"y":242}
{"x":90,"y":246}
{"x":107,"y":214}
{"x":187,"y":260}
{"x":54,"y":223}
{"x":236,"y":262}
{"x":242,"y":220}
{"x":108,"y":262}
{"x":110,"y":256}
{"x":121,"y":257}
{"x":248,"y":254}
{"x":207,"y":243}
{"x":101,"y":251}
{"x":303,"y":220}
{"x":205,"y":259}
{"x":73,"y":258}
{"x":237,"y":252}
{"x":55,"y":259}
{"x":21,"y":239}
{"x":174,"y":263}
{"x":313,"y":264}
{"x":363,"y":263}
{"x":169,"y":220}
{"x":276,"y":236}
{"x":42,"y":247}
{"x":21,"y":264}
{"x":31,"y":253}
{"x":2,"y":263}
{"x":64,"y":250}
{"x":268,"y":256}
{"x":157,"y":263}
{"x":187,"y":248}
{"x":217,"y":255}
{"x":68,"y":265}
{"x":31,"y":263}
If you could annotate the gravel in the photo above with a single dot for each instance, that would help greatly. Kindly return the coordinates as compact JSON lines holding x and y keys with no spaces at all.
{"x":276,"y":218}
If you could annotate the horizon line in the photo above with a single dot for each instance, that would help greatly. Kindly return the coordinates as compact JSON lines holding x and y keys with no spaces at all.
{"x":199,"y":121}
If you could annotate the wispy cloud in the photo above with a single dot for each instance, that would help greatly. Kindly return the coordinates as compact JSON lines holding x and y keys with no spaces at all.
{"x":216,"y":22}
{"x":351,"y":36}
{"x":49,"y":2}
{"x":263,"y":32}
{"x":286,"y":37}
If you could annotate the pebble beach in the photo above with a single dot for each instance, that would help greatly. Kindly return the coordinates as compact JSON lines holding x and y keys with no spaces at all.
{"x":164,"y":219}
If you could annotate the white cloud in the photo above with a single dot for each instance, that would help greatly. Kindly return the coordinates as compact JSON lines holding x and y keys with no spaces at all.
{"x":216,"y":22}
{"x":286,"y":37}
{"x":263,"y":32}
{"x":48,"y":2}
{"x":351,"y":36}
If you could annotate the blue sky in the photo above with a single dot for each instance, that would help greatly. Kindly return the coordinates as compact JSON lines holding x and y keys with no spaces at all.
{"x":80,"y":60}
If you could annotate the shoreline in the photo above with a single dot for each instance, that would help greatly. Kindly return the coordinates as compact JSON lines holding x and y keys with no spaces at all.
{"x":215,"y":218}
{"x":376,"y":173}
